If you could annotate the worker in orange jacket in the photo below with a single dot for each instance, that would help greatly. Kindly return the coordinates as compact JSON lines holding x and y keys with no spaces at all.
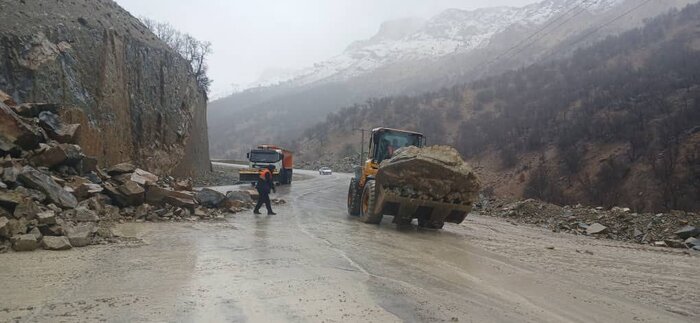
{"x":265,"y":185}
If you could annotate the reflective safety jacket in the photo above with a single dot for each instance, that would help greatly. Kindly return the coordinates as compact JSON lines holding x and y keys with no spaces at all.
{"x":265,"y":181}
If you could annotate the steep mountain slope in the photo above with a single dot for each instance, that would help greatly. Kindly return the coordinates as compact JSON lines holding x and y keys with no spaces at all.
{"x":413,"y":56}
{"x":617,"y":123}
{"x":135,"y":98}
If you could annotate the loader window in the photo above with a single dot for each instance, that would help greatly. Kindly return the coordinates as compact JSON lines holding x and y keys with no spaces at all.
{"x":390,"y":141}
{"x":265,"y":156}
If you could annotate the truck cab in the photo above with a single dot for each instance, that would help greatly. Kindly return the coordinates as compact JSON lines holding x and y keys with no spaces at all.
{"x":265,"y":155}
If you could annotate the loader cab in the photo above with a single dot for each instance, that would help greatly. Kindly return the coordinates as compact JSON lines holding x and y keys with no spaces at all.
{"x":386,"y":141}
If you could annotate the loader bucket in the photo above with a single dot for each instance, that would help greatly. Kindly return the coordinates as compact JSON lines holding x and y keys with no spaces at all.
{"x":432,"y":184}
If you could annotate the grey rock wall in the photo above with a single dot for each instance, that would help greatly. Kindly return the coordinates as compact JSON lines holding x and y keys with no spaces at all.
{"x":134,"y":97}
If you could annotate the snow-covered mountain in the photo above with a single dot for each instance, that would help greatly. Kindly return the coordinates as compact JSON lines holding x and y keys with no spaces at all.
{"x":453,"y":31}
{"x":411,"y":56}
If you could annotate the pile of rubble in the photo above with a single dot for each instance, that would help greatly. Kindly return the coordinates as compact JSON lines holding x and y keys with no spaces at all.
{"x":54,"y":196}
{"x":674,"y":229}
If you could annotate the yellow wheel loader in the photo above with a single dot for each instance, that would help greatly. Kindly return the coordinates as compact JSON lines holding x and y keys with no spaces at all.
{"x":403,"y":178}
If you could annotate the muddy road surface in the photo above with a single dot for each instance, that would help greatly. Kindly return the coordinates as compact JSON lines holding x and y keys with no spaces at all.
{"x":313,"y":263}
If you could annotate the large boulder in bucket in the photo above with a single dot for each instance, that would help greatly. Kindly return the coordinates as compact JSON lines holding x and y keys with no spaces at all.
{"x":436,"y":173}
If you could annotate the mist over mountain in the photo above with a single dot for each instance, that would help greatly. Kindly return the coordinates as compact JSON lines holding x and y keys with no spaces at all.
{"x":614,"y":124}
{"x":411,"y":56}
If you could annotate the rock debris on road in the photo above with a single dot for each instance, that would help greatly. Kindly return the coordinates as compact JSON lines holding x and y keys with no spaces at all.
{"x":313,"y":263}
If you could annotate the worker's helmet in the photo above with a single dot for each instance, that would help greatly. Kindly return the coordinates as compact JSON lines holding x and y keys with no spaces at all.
{"x":271,"y":167}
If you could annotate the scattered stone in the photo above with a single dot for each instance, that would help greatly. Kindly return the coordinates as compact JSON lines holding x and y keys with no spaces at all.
{"x":9,"y":174}
{"x":142,"y":211}
{"x":56,"y":129}
{"x":10,"y":199}
{"x":122,"y":168}
{"x":110,"y":212}
{"x":143,"y":177}
{"x":674,"y":243}
{"x":660,"y":244}
{"x":81,"y":235}
{"x":183,"y":185}
{"x":133,"y":193}
{"x":36,"y":195}
{"x":596,"y":228}
{"x":105,"y":233}
{"x":4,"y":227}
{"x":690,"y":242}
{"x":36,"y":232}
{"x":18,"y":226}
{"x":42,"y":182}
{"x":157,"y":195}
{"x":687,"y":232}
{"x":63,"y":154}
{"x":25,"y":242}
{"x":47,"y":217}
{"x":83,"y":214}
{"x":116,"y":195}
{"x":56,"y":243}
{"x":26,"y":209}
{"x":88,"y":165}
{"x":16,"y":134}
{"x":52,"y":230}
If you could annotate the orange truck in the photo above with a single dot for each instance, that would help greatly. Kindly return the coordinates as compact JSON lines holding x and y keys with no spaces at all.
{"x":265,"y":155}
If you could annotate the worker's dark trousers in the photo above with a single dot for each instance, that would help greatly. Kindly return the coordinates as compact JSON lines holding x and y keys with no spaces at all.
{"x":264,"y":198}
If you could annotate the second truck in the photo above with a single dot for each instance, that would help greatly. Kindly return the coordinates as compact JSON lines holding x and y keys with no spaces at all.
{"x":264,"y":155}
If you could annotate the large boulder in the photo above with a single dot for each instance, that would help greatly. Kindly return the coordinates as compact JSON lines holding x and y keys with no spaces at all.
{"x":157,"y":195}
{"x":56,"y":129}
{"x":687,"y":232}
{"x":55,"y":193}
{"x":25,"y":242}
{"x":26,"y":209}
{"x":209,"y":198}
{"x":55,"y":243}
{"x":10,"y":199}
{"x":17,"y":227}
{"x":81,"y":235}
{"x":243,"y":196}
{"x":133,"y":193}
{"x":63,"y":154}
{"x":122,"y":168}
{"x":143,"y":177}
{"x":434,"y":173}
{"x":15,"y":134}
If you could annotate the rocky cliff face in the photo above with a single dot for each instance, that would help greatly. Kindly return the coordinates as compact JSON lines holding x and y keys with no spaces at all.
{"x":134,"y":97}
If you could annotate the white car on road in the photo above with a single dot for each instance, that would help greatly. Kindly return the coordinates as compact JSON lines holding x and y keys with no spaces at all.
{"x":325,"y":171}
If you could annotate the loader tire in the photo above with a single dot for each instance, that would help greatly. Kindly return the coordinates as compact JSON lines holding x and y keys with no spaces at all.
{"x":369,"y":200}
{"x":354,"y":198}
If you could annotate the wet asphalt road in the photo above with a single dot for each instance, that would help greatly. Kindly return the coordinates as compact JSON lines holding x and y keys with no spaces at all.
{"x":313,"y":263}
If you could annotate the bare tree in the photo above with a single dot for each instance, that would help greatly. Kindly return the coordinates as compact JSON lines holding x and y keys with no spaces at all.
{"x":194,"y":51}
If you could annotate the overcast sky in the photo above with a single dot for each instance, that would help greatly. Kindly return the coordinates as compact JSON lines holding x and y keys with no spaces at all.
{"x":250,"y":37}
